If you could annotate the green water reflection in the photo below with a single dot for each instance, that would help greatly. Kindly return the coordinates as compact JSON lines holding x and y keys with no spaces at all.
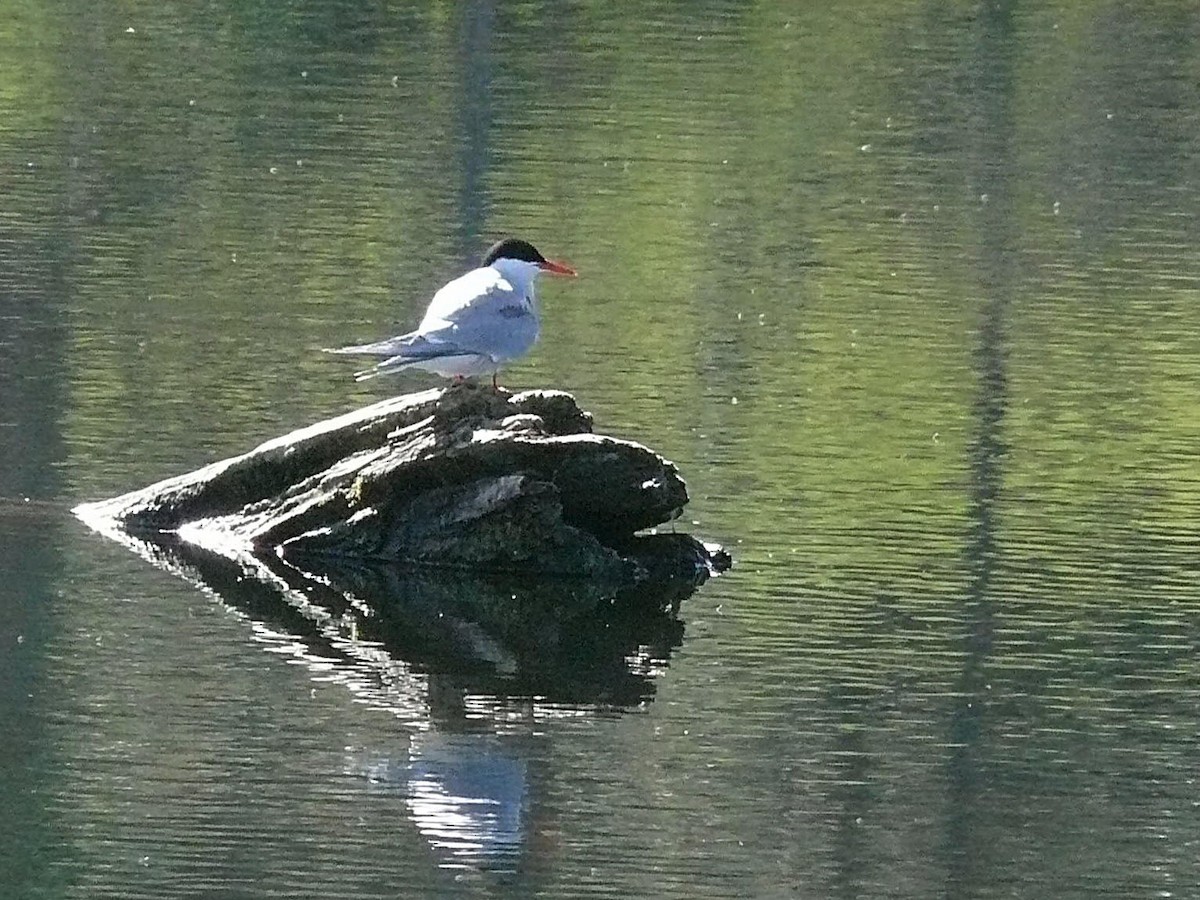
{"x":908,"y":290}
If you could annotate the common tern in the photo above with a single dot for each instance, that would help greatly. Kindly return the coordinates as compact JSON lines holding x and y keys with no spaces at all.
{"x":475,"y":324}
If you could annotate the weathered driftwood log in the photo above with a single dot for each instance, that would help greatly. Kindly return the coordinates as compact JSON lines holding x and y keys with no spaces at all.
{"x":464,"y":477}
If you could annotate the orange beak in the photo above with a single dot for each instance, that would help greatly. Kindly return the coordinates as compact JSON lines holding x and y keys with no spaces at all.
{"x":556,"y":268}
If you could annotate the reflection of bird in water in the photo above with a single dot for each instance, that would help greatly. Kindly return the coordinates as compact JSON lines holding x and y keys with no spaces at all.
{"x":476,"y":323}
{"x":466,"y":793}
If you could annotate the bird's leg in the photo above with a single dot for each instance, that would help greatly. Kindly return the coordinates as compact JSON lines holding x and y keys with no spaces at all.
{"x":494,"y":385}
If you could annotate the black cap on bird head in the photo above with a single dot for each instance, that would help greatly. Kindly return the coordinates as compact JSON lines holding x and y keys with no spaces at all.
{"x":513,"y":248}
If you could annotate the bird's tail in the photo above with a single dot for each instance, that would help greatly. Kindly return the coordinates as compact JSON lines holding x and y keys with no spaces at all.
{"x":401,"y":352}
{"x":395,"y":364}
{"x":389,"y":347}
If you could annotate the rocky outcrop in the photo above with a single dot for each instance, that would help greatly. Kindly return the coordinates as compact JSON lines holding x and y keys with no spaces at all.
{"x":466,"y":477}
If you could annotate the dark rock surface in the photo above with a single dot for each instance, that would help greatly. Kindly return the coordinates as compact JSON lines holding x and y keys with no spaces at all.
{"x":465,"y":477}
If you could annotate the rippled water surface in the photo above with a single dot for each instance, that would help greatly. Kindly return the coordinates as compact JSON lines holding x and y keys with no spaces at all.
{"x":909,"y":291}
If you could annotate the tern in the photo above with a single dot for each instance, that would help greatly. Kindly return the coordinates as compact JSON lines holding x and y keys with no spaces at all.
{"x":475,"y":324}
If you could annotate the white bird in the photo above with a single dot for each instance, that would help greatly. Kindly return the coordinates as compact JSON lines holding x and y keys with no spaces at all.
{"x":476,"y":323}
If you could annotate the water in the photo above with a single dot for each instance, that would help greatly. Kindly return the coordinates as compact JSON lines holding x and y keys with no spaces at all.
{"x":909,"y":292}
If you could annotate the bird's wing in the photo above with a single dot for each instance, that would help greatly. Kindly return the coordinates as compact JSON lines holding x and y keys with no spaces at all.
{"x":477,"y":296}
{"x":480,"y":313}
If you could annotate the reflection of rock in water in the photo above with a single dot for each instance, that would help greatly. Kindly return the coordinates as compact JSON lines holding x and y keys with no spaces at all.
{"x":448,"y":654}
{"x":428,"y":645}
{"x":567,"y":640}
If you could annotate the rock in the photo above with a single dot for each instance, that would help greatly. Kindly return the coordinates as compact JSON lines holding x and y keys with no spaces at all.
{"x":465,"y":477}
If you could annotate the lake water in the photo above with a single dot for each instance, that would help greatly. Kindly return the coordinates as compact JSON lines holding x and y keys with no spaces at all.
{"x":909,"y":291}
